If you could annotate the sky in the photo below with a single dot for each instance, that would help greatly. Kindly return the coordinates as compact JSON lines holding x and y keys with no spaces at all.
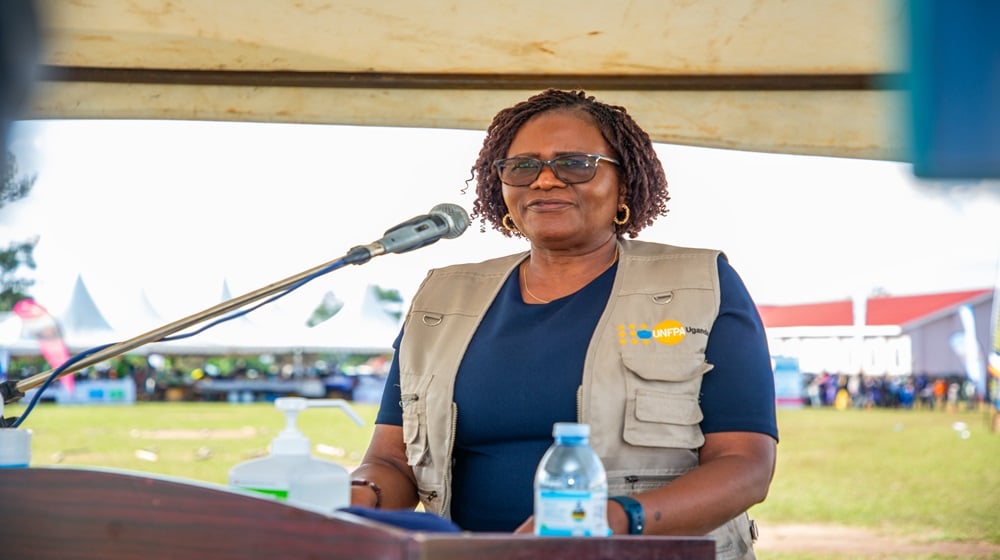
{"x":173,"y":209}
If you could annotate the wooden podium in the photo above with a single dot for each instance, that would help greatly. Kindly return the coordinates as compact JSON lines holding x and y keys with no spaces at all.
{"x":75,"y":513}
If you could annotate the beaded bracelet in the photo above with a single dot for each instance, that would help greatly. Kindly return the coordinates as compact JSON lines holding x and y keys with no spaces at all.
{"x":375,"y":488}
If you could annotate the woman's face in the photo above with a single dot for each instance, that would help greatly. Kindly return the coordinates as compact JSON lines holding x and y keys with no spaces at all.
{"x":552,"y":214}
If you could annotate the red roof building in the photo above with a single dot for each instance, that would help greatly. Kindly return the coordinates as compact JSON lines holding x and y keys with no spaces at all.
{"x":894,"y":335}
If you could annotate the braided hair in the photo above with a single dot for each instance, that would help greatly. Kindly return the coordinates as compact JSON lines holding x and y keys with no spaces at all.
{"x":640,"y":169}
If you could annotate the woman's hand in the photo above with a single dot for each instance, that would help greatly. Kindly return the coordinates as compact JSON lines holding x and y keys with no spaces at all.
{"x":385,"y":465}
{"x":734,"y":473}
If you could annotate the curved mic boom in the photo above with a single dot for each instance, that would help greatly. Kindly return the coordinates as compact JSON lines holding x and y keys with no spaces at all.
{"x":444,"y":220}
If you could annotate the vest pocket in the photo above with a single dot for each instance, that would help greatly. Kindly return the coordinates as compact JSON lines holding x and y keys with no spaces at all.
{"x":415,"y":437}
{"x":733,"y":540}
{"x":661,"y":406}
{"x":414,"y":403}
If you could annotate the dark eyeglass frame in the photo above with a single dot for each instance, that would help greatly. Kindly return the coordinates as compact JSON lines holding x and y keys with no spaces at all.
{"x":595,"y":159}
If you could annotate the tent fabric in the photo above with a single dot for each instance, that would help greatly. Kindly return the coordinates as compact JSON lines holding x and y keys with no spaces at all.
{"x":766,"y":75}
{"x":82,"y":326}
{"x":82,"y":314}
{"x":362,"y":326}
{"x":12,"y":336}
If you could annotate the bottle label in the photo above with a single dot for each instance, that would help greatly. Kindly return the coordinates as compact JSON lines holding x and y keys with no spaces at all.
{"x":279,"y":493}
{"x":571,"y":513}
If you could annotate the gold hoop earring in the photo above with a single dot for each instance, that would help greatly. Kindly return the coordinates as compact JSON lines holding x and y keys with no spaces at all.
{"x":624,"y":220}
{"x":508,"y":224}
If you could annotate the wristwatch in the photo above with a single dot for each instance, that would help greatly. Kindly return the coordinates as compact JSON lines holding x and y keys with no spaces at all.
{"x":633,"y":510}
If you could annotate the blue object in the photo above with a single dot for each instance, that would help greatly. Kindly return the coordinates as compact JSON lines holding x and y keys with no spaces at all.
{"x":406,"y":519}
{"x":636,"y":515}
{"x":955,"y":88}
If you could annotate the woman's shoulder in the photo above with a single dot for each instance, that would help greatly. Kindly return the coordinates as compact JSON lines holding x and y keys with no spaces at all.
{"x":463,"y":283}
{"x":496,"y":265}
{"x":635,"y":247}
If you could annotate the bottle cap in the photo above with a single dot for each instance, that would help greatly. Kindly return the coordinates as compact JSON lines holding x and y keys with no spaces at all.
{"x":290,"y":443}
{"x":570,"y":429}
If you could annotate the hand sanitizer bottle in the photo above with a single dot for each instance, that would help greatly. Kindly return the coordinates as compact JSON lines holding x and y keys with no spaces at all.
{"x":15,"y":445}
{"x":290,"y":473}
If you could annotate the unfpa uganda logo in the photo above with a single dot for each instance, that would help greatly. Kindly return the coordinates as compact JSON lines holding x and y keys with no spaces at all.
{"x":665,"y":332}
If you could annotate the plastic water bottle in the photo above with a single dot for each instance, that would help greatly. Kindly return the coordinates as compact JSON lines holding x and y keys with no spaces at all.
{"x":15,"y":447}
{"x":290,"y":473}
{"x":571,"y":486}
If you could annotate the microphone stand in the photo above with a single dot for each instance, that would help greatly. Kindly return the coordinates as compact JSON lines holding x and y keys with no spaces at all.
{"x":444,"y":220}
{"x":12,"y":391}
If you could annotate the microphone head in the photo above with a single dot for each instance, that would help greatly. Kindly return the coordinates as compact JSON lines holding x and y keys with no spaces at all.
{"x":455,"y":216}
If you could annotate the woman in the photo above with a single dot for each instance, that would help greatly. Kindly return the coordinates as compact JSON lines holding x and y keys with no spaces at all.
{"x":658,"y":348}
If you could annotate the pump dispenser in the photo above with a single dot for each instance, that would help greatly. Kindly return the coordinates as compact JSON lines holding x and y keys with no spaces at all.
{"x":290,"y":472}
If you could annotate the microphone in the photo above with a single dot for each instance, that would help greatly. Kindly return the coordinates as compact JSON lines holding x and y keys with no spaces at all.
{"x":444,"y":220}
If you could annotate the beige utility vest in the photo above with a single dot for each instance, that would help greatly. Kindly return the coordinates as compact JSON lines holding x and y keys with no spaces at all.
{"x":641,"y":378}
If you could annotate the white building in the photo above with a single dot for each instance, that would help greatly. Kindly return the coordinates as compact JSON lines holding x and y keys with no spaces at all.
{"x":888,"y":335}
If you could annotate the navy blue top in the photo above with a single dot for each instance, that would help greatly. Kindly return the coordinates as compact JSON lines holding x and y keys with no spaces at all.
{"x":521,"y":372}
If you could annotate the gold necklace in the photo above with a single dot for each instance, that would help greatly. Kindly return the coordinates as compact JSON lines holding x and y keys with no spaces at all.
{"x":524,"y":282}
{"x":524,"y":277}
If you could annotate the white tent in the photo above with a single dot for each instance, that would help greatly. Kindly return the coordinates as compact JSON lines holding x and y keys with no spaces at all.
{"x":363,"y":325}
{"x":81,"y":324}
{"x":11,"y":339}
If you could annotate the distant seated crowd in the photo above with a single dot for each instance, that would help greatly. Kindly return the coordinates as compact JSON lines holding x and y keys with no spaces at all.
{"x":184,"y":379}
{"x":843,"y":391}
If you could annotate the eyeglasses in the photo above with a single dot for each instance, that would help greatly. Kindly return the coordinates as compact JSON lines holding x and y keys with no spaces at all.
{"x":570,"y":169}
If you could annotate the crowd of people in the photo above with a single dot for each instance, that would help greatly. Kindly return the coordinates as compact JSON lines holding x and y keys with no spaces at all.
{"x":953,"y":393}
{"x":197,"y":378}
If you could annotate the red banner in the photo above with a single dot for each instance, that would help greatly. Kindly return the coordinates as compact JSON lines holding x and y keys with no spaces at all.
{"x":42,"y":326}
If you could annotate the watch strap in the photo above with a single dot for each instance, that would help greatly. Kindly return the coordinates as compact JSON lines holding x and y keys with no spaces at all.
{"x":633,"y":510}
{"x":374,"y":487}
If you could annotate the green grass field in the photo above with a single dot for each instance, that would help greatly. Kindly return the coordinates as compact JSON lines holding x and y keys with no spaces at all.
{"x":894,"y":471}
{"x":909,"y":472}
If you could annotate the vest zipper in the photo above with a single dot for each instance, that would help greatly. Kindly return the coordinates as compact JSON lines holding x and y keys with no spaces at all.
{"x":446,"y":500}
{"x":579,"y":403}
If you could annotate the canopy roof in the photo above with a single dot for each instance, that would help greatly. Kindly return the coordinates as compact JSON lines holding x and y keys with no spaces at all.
{"x":817,"y":77}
